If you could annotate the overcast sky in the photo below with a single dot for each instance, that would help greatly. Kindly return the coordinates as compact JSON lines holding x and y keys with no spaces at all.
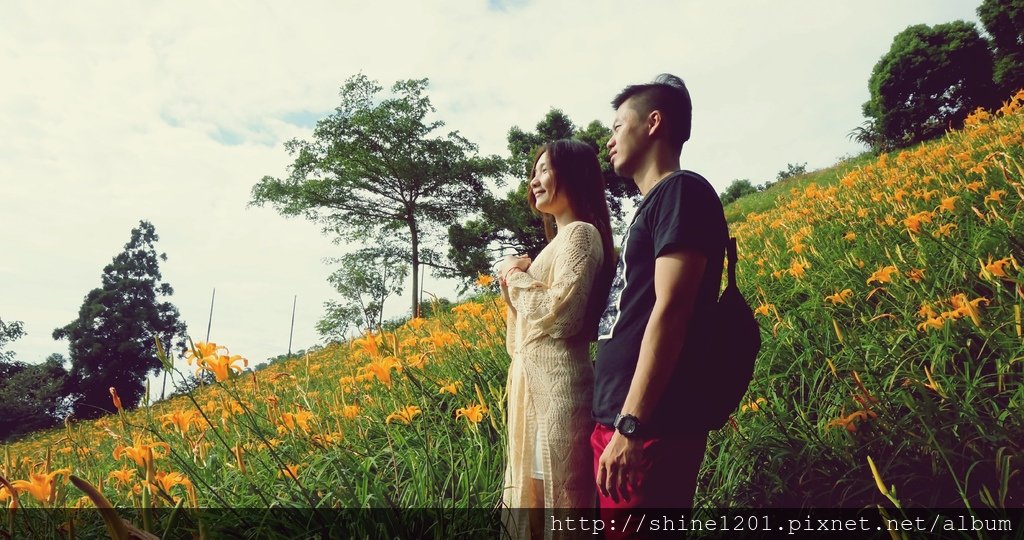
{"x":112,"y":112}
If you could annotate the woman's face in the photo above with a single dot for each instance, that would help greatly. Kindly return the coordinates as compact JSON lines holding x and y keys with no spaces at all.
{"x":548,"y":198}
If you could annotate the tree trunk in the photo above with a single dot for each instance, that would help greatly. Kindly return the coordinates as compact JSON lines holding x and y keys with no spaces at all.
{"x":415,"y":268}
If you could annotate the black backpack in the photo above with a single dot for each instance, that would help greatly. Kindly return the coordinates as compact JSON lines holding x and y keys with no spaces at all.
{"x":732,"y":347}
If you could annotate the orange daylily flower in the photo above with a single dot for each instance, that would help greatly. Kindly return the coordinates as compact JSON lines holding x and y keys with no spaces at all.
{"x":914,"y":222}
{"x":416,"y":323}
{"x":932,"y":323}
{"x":948,"y":204}
{"x":222,"y":365}
{"x":215,"y":359}
{"x":291,"y":421}
{"x":138,"y":452}
{"x":41,"y":485}
{"x":350,"y":411}
{"x":381,"y":369}
{"x":839,"y":297}
{"x":764,"y":309}
{"x":123,"y":477}
{"x":484,"y":280}
{"x":996,"y":268}
{"x":754,"y":405}
{"x":916,"y":275}
{"x":797,"y":268}
{"x":882,"y":275}
{"x":473,"y":414}
{"x":367,"y":345}
{"x":404,"y":416}
{"x":965,"y":307}
{"x":416,"y":360}
{"x":291,"y":470}
{"x":996,"y":195}
{"x":451,"y":388}
{"x":973,"y":187}
{"x":945,"y":230}
{"x":850,"y":421}
{"x":181,"y":420}
{"x":167,"y":480}
{"x":471,"y":309}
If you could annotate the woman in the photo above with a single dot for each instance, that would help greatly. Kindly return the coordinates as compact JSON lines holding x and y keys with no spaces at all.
{"x":554,"y":303}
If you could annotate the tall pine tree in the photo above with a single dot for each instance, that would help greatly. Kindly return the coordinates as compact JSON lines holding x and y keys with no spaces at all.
{"x":111,"y":341}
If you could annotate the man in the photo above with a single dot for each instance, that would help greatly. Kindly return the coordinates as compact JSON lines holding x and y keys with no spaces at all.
{"x":649,"y":439}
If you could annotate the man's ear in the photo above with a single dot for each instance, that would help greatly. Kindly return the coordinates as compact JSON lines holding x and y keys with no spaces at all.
{"x":654,"y":122}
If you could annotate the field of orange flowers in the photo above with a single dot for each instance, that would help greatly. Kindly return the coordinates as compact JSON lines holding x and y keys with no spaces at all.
{"x":889,"y":294}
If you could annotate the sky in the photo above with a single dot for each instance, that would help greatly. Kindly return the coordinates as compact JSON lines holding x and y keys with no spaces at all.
{"x":115,"y":112}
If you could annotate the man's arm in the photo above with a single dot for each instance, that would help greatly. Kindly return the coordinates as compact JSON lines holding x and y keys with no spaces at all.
{"x":677,"y":277}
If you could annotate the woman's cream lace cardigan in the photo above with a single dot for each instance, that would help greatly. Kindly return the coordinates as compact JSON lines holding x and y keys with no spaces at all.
{"x":551,"y":379}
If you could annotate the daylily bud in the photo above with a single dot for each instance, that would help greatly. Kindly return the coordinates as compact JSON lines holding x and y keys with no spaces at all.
{"x":116,"y":398}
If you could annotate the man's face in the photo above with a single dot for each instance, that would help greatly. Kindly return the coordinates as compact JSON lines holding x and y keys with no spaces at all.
{"x":629,"y":140}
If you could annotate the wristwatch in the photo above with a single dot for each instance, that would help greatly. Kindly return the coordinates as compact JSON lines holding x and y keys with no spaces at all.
{"x":627,"y":425}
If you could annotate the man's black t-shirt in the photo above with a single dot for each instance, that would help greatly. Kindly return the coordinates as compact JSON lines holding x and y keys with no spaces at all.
{"x":682,"y":211}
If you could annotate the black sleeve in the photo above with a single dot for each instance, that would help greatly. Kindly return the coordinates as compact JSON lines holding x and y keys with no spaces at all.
{"x":686,"y":214}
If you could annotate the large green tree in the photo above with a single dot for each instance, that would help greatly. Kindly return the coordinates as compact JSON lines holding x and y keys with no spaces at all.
{"x":929,"y":81}
{"x":377,"y":169}
{"x":111,"y":341}
{"x":1004,"y":21}
{"x":505,"y":224}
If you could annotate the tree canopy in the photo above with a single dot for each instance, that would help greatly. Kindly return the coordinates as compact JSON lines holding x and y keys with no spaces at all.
{"x":377,"y":169}
{"x":365,"y":280}
{"x":505,"y":224}
{"x":9,"y":332}
{"x":928,"y":82}
{"x":1004,"y":21}
{"x":31,"y":396}
{"x":737,"y":189}
{"x":111,"y":341}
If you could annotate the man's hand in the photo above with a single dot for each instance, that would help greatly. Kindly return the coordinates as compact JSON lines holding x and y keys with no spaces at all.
{"x":621,"y":467}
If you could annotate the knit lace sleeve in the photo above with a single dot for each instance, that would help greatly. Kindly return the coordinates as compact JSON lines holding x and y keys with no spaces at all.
{"x":559,"y":308}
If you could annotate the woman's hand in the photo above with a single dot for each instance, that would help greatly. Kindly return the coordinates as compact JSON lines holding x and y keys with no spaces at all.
{"x":521,"y":262}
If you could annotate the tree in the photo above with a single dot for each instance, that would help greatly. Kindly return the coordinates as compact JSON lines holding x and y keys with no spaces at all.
{"x":31,"y":396}
{"x":374,"y":170}
{"x":365,"y":280}
{"x":506,"y":224}
{"x":9,"y":332}
{"x":792,"y":169}
{"x":929,"y":81}
{"x":867,"y":134}
{"x":737,"y":189}
{"x":111,"y":341}
{"x":1004,"y":21}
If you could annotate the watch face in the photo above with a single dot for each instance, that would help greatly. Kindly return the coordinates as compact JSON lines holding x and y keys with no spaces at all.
{"x":628,"y":425}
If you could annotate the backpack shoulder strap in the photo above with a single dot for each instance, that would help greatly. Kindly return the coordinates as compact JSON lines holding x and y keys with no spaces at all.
{"x":730,"y":248}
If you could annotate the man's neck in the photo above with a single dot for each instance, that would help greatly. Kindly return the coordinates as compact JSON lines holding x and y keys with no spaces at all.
{"x":654,"y":171}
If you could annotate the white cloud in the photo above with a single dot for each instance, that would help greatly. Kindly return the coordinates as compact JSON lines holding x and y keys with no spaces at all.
{"x":120,"y":111}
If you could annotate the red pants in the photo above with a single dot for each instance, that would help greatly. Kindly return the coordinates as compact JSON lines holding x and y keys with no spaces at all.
{"x":670,"y":481}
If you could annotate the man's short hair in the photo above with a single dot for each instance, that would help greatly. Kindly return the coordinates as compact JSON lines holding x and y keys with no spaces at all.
{"x":667,"y":94}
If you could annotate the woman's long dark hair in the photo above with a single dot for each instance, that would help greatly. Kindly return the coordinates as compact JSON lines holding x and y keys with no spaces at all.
{"x":578,"y":175}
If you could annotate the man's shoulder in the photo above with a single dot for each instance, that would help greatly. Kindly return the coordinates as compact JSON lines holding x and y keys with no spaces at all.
{"x":691,"y":181}
{"x":683,"y":184}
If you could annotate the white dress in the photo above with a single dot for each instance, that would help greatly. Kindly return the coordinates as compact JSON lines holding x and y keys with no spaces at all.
{"x":551,"y":377}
